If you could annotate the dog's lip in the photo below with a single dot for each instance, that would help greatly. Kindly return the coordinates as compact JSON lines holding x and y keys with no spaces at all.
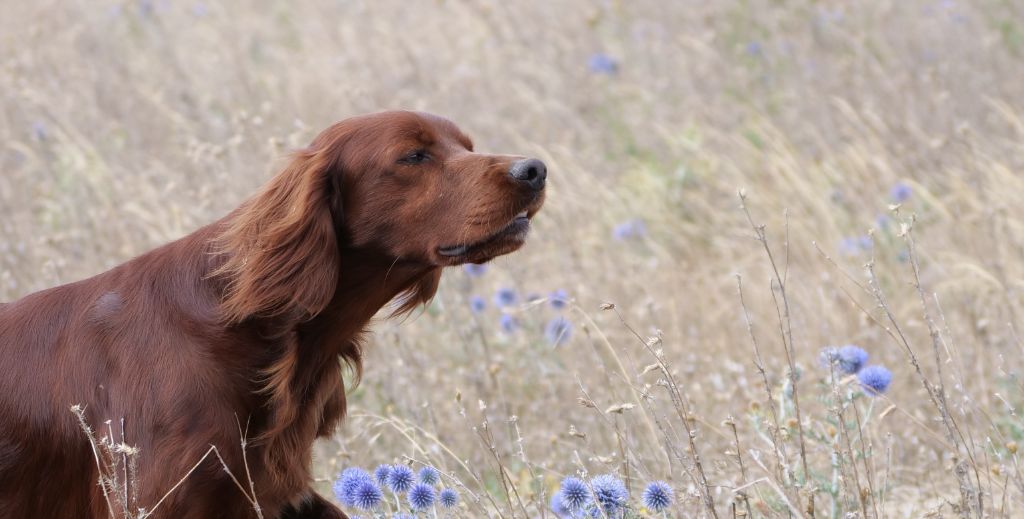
{"x":518,"y":226}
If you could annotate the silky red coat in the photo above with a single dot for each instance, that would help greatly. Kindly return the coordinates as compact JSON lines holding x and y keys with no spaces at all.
{"x":244,"y":321}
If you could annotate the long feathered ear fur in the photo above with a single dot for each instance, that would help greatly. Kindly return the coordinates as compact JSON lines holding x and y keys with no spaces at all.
{"x":281,"y":246}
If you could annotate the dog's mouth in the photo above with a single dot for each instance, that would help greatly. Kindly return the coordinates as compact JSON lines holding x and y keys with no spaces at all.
{"x":506,"y":240}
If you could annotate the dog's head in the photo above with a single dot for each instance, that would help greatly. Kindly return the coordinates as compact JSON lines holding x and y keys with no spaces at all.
{"x":405,"y":186}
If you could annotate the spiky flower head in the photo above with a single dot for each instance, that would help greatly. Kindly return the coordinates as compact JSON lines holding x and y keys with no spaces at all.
{"x":575,"y":493}
{"x":475,"y":269}
{"x":900,"y":192}
{"x":559,"y":507}
{"x":848,"y":359}
{"x":602,"y":64}
{"x":658,"y":496}
{"x":505,"y":296}
{"x":347,"y":482}
{"x":477,"y":304}
{"x":508,"y":323}
{"x":558,"y":331}
{"x":400,"y":479}
{"x":609,"y":492}
{"x":367,"y":495}
{"x":381,"y":474}
{"x":558,"y":299}
{"x":429,"y":476}
{"x":635,"y":228}
{"x":449,"y":498}
{"x":875,"y":379}
{"x":421,"y":496}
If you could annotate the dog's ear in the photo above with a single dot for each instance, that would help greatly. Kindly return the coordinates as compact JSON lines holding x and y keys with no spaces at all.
{"x":281,"y":246}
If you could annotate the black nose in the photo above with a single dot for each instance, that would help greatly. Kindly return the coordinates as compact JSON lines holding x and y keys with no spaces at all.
{"x":531,"y":172}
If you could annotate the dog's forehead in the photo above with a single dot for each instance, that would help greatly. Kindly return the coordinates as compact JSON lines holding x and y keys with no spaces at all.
{"x":431,"y":129}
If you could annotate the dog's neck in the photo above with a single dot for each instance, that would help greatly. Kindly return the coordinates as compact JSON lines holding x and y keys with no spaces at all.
{"x":367,"y":282}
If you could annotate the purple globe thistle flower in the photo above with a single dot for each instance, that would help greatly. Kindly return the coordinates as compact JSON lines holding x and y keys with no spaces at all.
{"x":900,"y":192}
{"x":634,"y":228}
{"x":875,"y":379}
{"x":754,"y":48}
{"x":421,"y":496}
{"x":381,"y":474}
{"x":367,"y":495}
{"x":558,"y":331}
{"x":474,"y":269}
{"x":477,"y":304}
{"x":558,"y":299}
{"x":851,"y":359}
{"x":866,"y":243}
{"x":848,"y":359}
{"x":575,"y":494}
{"x":559,"y":507}
{"x":849,"y":246}
{"x":429,"y":476}
{"x":882,"y":222}
{"x":505,"y":297}
{"x":509,"y":324}
{"x":658,"y":496}
{"x":347,"y":482}
{"x":602,"y":64}
{"x":448,"y":498}
{"x":400,"y":479}
{"x":609,"y":492}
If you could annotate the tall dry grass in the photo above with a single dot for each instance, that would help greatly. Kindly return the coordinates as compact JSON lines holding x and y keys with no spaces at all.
{"x":127,"y":124}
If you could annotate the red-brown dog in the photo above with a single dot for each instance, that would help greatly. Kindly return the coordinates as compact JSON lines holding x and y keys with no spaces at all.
{"x":244,"y":321}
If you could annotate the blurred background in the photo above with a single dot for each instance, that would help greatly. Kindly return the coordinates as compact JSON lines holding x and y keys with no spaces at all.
{"x":127,"y":124}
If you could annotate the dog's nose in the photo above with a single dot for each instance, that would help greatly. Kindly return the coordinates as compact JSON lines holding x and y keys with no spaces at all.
{"x":531,"y":172}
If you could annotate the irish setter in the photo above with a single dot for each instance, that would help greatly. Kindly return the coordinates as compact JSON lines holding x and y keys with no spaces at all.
{"x":242,"y":324}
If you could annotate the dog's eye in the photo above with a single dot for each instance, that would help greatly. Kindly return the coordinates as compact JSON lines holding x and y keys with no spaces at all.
{"x":416,"y":157}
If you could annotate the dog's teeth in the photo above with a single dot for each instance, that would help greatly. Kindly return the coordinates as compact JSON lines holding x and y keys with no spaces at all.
{"x":521,"y":215}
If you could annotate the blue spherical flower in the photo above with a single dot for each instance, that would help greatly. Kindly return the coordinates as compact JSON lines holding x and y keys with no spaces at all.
{"x":634,"y":228}
{"x":900,"y":192}
{"x":400,"y":479}
{"x":475,"y":269}
{"x":448,"y":498}
{"x":875,"y":379}
{"x":866,"y":243}
{"x":575,"y":493}
{"x":848,"y":359}
{"x":429,"y":476}
{"x":609,"y":492}
{"x":381,"y":474}
{"x":754,"y":48}
{"x":367,"y":495}
{"x":505,"y":297}
{"x":508,"y":323}
{"x":421,"y":496}
{"x":347,"y":482}
{"x":851,"y":358}
{"x":849,"y":246}
{"x":477,"y":304}
{"x":559,"y":507}
{"x":602,"y":64}
{"x":882,"y":222}
{"x":559,"y":298}
{"x":558,"y":330}
{"x":658,"y":496}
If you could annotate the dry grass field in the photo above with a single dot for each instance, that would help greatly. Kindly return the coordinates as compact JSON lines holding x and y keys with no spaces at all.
{"x":734,"y":187}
